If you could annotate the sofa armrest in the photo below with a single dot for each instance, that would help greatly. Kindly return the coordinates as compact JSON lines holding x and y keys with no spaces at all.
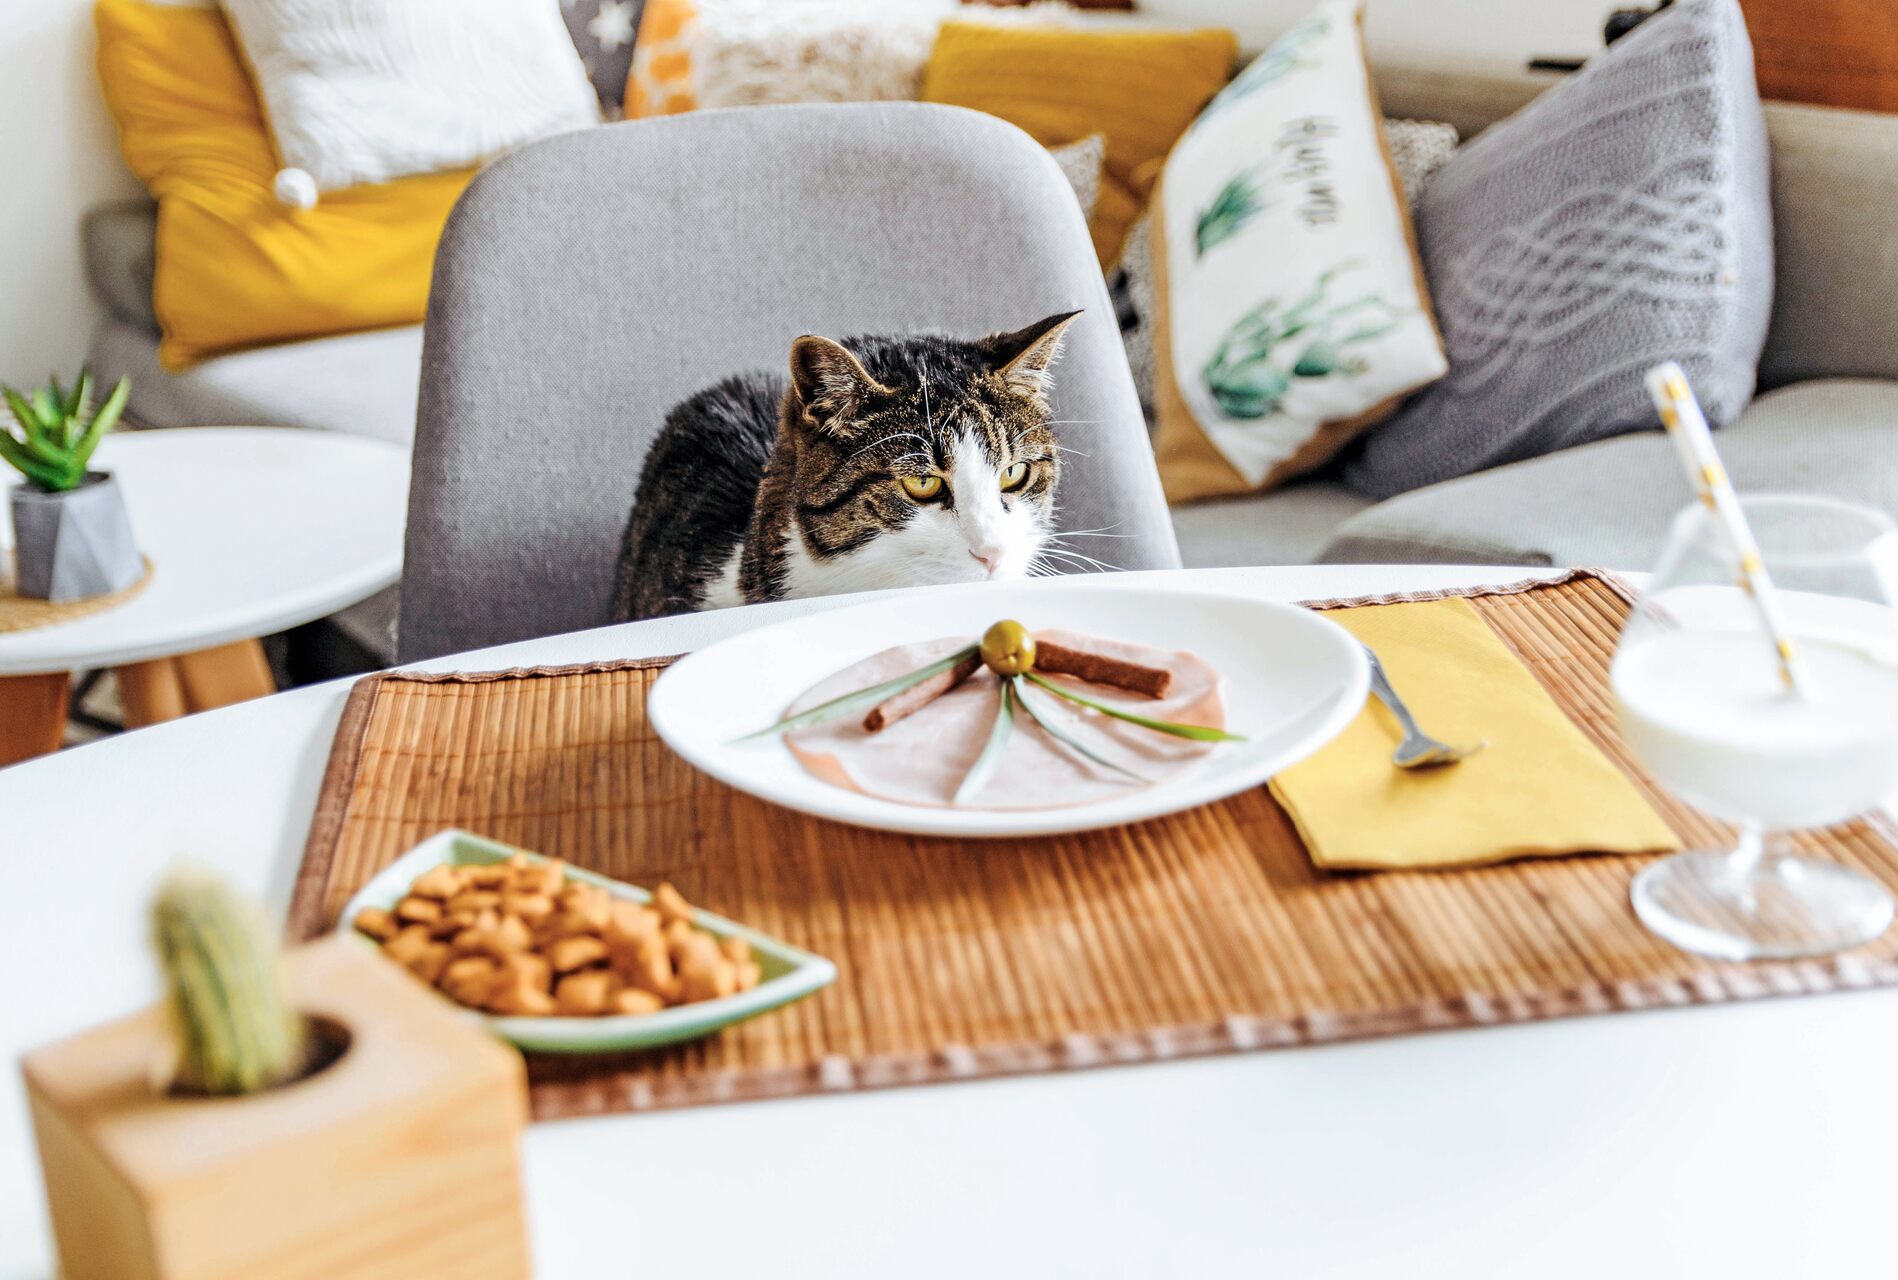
{"x":1835,"y":234}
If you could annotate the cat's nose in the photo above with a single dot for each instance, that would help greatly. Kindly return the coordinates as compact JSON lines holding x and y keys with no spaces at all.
{"x":991,"y":557}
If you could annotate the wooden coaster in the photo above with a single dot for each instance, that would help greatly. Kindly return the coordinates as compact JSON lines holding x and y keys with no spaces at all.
{"x":1205,"y":932}
{"x":19,"y":613}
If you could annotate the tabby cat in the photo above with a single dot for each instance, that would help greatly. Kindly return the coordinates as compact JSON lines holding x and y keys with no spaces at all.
{"x":880,"y":462}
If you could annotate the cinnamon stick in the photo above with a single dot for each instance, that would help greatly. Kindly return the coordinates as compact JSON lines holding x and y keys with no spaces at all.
{"x":1099,"y":668}
{"x":917,"y":696}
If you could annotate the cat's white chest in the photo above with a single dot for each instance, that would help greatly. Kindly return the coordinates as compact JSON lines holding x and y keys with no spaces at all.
{"x":887,"y":561}
{"x":723,"y":593}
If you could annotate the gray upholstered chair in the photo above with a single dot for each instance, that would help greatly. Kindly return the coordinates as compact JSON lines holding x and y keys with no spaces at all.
{"x":588,"y":283}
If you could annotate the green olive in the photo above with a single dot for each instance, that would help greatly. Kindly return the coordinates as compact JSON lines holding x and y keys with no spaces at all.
{"x":1008,"y":649}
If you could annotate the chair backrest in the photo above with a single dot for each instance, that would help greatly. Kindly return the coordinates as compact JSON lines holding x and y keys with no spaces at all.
{"x":588,"y":283}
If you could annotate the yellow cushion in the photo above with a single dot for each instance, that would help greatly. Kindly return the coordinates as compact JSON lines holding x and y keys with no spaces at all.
{"x":1139,"y":87}
{"x":236,"y":268}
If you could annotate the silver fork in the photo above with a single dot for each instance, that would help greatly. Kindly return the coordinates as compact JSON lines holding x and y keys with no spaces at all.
{"x":1418,"y":750}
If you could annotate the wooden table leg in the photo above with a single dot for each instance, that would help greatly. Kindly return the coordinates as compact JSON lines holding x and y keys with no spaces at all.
{"x":166,"y":688}
{"x":32,"y":715}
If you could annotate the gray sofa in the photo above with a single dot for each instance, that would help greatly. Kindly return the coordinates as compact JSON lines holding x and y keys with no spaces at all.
{"x":1826,"y":419}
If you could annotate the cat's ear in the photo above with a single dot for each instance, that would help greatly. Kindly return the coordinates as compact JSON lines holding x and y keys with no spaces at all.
{"x":1023,"y":357}
{"x":829,"y":383}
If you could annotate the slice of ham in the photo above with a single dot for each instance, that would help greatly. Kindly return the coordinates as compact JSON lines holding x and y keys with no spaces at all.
{"x":922,"y":758}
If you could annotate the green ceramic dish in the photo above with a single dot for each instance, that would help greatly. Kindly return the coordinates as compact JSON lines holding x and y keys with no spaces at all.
{"x":789,"y":974}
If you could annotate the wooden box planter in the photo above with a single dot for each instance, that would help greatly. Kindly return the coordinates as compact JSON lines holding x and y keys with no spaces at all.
{"x":400,"y":1160}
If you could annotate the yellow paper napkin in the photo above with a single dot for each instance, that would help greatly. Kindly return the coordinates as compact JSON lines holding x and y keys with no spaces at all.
{"x":1540,"y":788}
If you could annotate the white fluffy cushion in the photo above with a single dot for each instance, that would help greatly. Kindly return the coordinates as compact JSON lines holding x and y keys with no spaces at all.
{"x":369,"y":90}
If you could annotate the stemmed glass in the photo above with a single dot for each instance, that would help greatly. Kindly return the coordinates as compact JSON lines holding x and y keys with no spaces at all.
{"x":1702,"y":701}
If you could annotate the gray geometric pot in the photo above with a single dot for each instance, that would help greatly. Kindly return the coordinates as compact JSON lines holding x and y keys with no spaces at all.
{"x":68,"y":546}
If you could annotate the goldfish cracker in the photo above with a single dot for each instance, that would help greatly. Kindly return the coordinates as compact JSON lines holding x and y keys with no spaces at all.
{"x":530,"y":968}
{"x":581,"y":952}
{"x":409,"y":942}
{"x":588,"y":904}
{"x":489,"y":877}
{"x":671,"y":904}
{"x":585,"y":994}
{"x":530,"y":907}
{"x":430,"y":961}
{"x":517,"y":999}
{"x":475,"y":900}
{"x":552,"y":876}
{"x":470,"y":980}
{"x":414,"y":910}
{"x":651,"y":968}
{"x":633,"y":1000}
{"x":704,"y":974}
{"x":630,"y":920}
{"x":439,"y":883}
{"x":377,"y":923}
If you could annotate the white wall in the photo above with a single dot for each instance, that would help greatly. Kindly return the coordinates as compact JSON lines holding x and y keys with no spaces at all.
{"x":58,"y":155}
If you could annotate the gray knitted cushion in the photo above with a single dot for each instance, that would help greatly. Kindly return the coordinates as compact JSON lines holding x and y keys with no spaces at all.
{"x":1621,"y":219}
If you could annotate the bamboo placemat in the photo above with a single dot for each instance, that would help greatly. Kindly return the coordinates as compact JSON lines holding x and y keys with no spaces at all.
{"x":1205,"y":932}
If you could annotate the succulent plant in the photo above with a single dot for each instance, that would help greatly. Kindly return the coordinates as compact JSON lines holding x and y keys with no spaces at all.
{"x":54,"y":430}
{"x":236,"y":1030}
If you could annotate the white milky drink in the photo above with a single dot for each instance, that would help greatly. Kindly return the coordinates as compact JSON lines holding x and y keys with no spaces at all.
{"x":1708,"y":715}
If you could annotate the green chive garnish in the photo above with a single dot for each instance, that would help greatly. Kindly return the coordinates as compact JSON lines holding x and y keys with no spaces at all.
{"x":1065,"y":739}
{"x":1197,"y":732}
{"x":985,"y":764}
{"x":862,"y":699}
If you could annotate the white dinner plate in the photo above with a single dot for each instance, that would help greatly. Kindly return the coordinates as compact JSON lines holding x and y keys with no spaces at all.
{"x":1292,"y":680}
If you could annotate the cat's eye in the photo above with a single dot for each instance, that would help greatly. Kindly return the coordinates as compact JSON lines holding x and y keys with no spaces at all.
{"x":922,"y":488}
{"x":1014,"y":477}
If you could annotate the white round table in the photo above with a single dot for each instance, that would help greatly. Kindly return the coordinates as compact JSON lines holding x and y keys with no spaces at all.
{"x":250,"y":530}
{"x":1746,"y":1140}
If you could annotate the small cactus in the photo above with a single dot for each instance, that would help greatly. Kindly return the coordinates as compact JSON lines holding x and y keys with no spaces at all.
{"x":236,"y":1031}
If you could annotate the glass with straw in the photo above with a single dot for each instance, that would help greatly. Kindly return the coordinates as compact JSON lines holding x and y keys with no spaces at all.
{"x":1757,"y":679}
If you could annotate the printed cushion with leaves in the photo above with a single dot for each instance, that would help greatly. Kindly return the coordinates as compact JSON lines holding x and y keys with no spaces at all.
{"x":1291,"y":312}
{"x":1418,"y":148}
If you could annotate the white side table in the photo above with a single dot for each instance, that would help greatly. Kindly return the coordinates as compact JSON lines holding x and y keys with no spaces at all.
{"x":250,"y":530}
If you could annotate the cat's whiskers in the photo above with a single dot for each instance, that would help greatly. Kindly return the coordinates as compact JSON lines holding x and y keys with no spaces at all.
{"x":1075,"y":557}
{"x":1101,"y":532}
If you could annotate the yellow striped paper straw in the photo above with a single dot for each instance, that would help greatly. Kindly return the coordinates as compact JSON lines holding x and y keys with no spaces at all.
{"x":1693,"y":441}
